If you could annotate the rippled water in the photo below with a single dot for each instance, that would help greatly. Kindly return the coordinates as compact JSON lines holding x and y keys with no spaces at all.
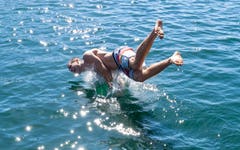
{"x":43,"y":106}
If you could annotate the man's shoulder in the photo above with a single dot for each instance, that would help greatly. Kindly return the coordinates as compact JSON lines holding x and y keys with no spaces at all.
{"x":92,"y":51}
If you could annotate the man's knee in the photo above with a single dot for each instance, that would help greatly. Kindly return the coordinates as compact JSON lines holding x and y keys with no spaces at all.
{"x":139,"y":77}
{"x":133,"y":64}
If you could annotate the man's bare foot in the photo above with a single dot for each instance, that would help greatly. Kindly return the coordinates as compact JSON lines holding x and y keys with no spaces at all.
{"x":159,"y":29}
{"x":176,"y":59}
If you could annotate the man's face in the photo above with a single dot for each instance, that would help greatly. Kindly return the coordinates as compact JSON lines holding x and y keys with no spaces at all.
{"x":75,"y":65}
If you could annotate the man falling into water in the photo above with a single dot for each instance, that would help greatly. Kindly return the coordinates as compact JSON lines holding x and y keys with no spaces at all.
{"x":125,"y":59}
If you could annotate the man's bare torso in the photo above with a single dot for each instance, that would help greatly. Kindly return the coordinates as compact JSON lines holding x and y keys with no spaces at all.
{"x":106,"y":58}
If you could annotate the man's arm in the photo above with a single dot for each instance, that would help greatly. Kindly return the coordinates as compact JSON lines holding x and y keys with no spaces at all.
{"x":91,"y":58}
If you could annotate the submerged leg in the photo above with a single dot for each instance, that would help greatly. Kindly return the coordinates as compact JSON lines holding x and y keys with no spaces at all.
{"x":144,"y":48}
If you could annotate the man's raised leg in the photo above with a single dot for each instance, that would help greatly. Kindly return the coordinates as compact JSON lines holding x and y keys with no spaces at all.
{"x":144,"y":48}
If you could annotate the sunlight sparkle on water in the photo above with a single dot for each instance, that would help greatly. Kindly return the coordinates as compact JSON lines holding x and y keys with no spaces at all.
{"x":80,"y":93}
{"x":118,"y":127}
{"x":83,"y":113}
{"x":74,"y":116}
{"x":99,"y":6}
{"x":62,"y":111}
{"x":76,"y":74}
{"x":71,"y":5}
{"x":71,"y":38}
{"x":136,"y":39}
{"x":73,"y":145}
{"x":71,"y":131}
{"x":65,"y":47}
{"x":89,"y":126}
{"x":31,"y":31}
{"x":181,"y":121}
{"x":81,"y":148}
{"x":42,"y":147}
{"x":67,"y":142}
{"x":90,"y":129}
{"x":28,"y":128}
{"x":18,"y":139}
{"x":69,"y":20}
{"x":43,"y":43}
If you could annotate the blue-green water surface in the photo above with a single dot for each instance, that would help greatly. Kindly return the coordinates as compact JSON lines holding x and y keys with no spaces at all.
{"x":45,"y":107}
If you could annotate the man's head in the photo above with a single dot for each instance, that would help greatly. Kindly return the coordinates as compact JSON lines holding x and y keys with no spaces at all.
{"x":76,"y":65}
